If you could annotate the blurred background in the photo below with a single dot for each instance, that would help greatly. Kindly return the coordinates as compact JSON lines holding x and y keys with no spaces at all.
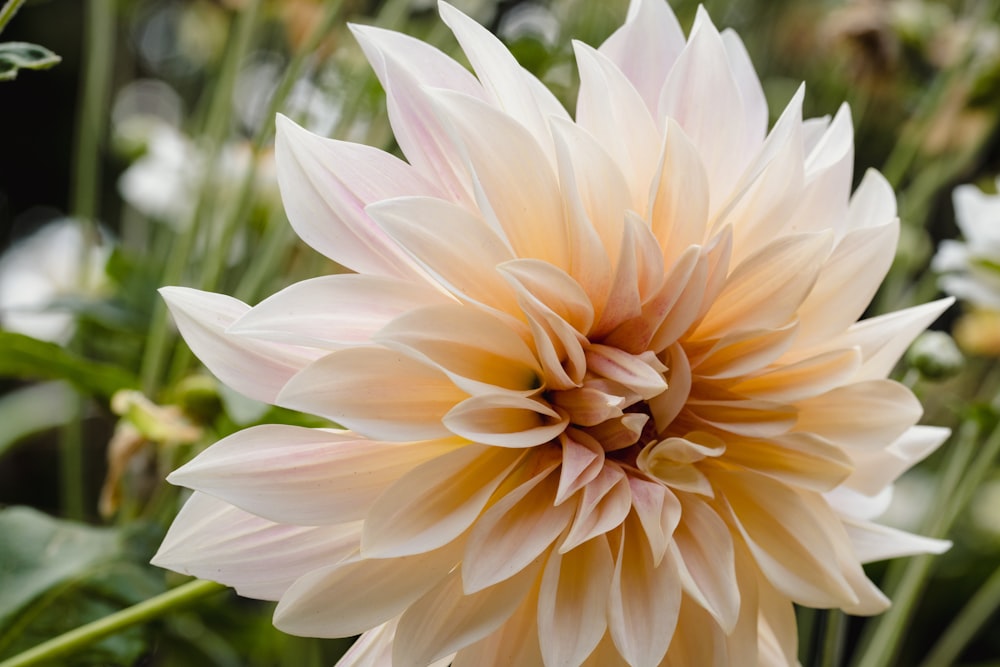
{"x":144,"y":159}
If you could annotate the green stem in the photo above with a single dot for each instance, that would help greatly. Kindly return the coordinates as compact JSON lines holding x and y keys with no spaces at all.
{"x":74,"y":640}
{"x":832,"y":650}
{"x":964,"y":627}
{"x":72,"y":494}
{"x":905,"y":580}
{"x":7,"y":12}
{"x":216,"y":125}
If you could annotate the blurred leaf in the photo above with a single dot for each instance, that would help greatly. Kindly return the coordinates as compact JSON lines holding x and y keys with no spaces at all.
{"x":28,"y":358}
{"x":16,"y":56}
{"x":35,"y":408}
{"x":57,"y":575}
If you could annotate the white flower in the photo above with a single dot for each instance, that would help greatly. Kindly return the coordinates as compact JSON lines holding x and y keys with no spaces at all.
{"x":972,"y":268}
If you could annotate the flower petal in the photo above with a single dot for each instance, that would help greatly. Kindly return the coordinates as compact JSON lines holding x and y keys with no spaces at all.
{"x":255,"y":368}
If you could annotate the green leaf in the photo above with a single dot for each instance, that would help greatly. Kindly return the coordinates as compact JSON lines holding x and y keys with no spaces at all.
{"x":35,"y":408}
{"x":16,"y":56}
{"x":57,"y":575}
{"x":28,"y":358}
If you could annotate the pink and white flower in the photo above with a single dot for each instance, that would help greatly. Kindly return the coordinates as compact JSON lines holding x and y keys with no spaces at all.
{"x":607,"y":396}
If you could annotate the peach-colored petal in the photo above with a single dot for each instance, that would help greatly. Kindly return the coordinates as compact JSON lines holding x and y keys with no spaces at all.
{"x":369,"y":592}
{"x":355,"y":306}
{"x":325,"y":186}
{"x":435,"y":502}
{"x":212,"y":539}
{"x":256,"y":368}
{"x":707,"y":563}
{"x":505,"y":420}
{"x":860,"y":415}
{"x":572,"y":602}
{"x":303,"y":476}
{"x":359,"y":387}
{"x":604,"y":504}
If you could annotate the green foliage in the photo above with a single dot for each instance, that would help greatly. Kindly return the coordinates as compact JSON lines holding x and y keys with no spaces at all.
{"x":28,"y":358}
{"x":15,"y":56}
{"x":56,"y":575}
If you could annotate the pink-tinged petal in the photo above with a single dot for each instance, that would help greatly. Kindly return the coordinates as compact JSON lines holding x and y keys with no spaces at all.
{"x":638,"y":275}
{"x":669,"y":404}
{"x":799,"y":459}
{"x":645,"y":47}
{"x":860,"y":415}
{"x":790,"y":538}
{"x":372,"y":649}
{"x":878,"y":467}
{"x":505,"y":420}
{"x":698,"y":640}
{"x":751,"y":418}
{"x":303,"y":476}
{"x":582,"y":461}
{"x":688,"y":306}
{"x":255,"y":368}
{"x":515,"y":185}
{"x":707,"y":562}
{"x":350,"y":597}
{"x":645,"y":600}
{"x":659,"y":513}
{"x":212,"y":539}
{"x":446,"y":620}
{"x":885,"y":338}
{"x":629,"y":370}
{"x":829,"y":171}
{"x":702,"y":95}
{"x":474,"y":348}
{"x":595,"y":193}
{"x":587,"y":406}
{"x":435,"y":502}
{"x":336,"y":311}
{"x":751,"y":91}
{"x":809,"y":377}
{"x":573,"y":600}
{"x":511,"y":534}
{"x":737,"y":355}
{"x":510,"y":87}
{"x":552,"y":287}
{"x":872,"y":204}
{"x":558,"y":345}
{"x":325,"y":186}
{"x":603,"y":506}
{"x":777,"y":638}
{"x":679,"y":216}
{"x":514,"y":643}
{"x":873,"y":542}
{"x":765,"y":290}
{"x":415,"y":124}
{"x":453,"y":245}
{"x":848,"y":281}
{"x":380,"y":393}
{"x":612,"y":111}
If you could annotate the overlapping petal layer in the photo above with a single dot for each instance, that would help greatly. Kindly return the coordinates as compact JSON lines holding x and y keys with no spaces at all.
{"x":609,"y":402}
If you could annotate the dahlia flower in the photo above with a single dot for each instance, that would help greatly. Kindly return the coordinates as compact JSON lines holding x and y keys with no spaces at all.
{"x":605,"y":394}
{"x":972,"y":269}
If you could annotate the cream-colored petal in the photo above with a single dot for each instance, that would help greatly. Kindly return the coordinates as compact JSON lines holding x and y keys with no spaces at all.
{"x":333,"y":312}
{"x":255,"y":368}
{"x":451,"y":244}
{"x":516,"y":187}
{"x":799,"y":459}
{"x":613,"y":112}
{"x":750,"y":418}
{"x":809,"y":377}
{"x":350,"y":597}
{"x":739,"y":354}
{"x":645,"y":599}
{"x":474,"y":348}
{"x":435,"y":502}
{"x":382,"y":394}
{"x":582,"y":461}
{"x":325,"y":186}
{"x":212,"y":539}
{"x":878,"y":467}
{"x":514,"y":643}
{"x":510,"y":87}
{"x":873,"y":542}
{"x":415,"y":124}
{"x":698,"y":640}
{"x":629,"y":370}
{"x":552,"y":287}
{"x":445,"y":619}
{"x":766,"y":289}
{"x":645,"y":47}
{"x":659,"y":512}
{"x":505,"y":420}
{"x":572,"y":602}
{"x":680,"y":197}
{"x":707,"y":561}
{"x":604,"y":504}
{"x":751,"y":91}
{"x":860,"y":415}
{"x":514,"y":532}
{"x":295,"y":475}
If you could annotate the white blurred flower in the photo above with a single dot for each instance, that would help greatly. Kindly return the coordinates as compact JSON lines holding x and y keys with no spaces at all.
{"x":971,"y":267}
{"x":38,"y":273}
